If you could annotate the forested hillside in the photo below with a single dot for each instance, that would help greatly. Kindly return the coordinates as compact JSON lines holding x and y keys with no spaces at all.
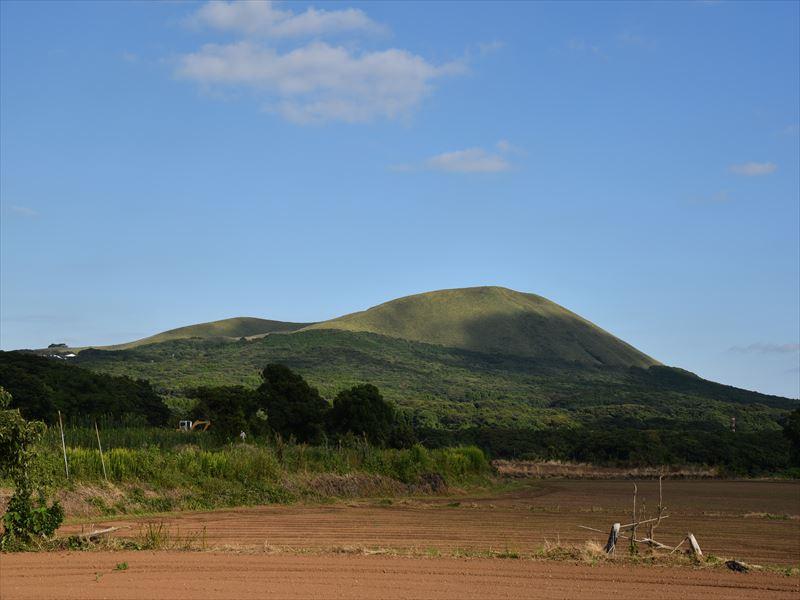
{"x":453,"y":388}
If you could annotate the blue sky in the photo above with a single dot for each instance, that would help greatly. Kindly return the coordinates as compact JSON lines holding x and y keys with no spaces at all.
{"x":170,"y":163}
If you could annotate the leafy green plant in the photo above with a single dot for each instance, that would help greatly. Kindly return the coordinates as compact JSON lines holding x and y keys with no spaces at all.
{"x":25,"y":519}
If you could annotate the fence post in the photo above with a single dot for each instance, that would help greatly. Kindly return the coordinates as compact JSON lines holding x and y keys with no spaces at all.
{"x":99,"y":445}
{"x":612,"y":539}
{"x":63,"y":444}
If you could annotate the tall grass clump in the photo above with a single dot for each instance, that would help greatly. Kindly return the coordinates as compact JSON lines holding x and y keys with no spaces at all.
{"x":210,"y":474}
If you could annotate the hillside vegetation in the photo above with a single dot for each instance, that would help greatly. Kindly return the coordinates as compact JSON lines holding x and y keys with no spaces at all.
{"x":494,"y":320}
{"x":41,"y":387}
{"x":226,"y":328}
{"x":513,"y":373}
{"x":453,"y":388}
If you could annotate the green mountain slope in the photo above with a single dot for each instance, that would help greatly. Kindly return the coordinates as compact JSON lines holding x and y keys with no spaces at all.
{"x":226,"y":328}
{"x":451,"y":387}
{"x":494,"y":320}
{"x":486,"y":357}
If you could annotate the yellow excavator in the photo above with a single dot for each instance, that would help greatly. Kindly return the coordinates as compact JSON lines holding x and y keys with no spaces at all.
{"x":187,"y":425}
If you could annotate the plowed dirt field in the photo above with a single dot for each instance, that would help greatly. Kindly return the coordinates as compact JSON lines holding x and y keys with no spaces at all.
{"x":261,"y":552}
{"x":205,"y":575}
{"x":754,"y":521}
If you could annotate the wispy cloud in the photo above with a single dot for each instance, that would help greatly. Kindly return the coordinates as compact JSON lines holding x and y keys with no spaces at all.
{"x":580,"y":45}
{"x":791,"y":130}
{"x":33,"y":319}
{"x":753,"y":169}
{"x":319,"y":82}
{"x":722,"y":197}
{"x":265,"y":19}
{"x":629,"y":38}
{"x":23,"y":211}
{"x":485,"y":48}
{"x":469,"y":160}
{"x":761,"y":348}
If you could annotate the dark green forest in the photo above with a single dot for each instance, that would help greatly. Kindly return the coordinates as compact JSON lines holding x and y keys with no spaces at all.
{"x":41,"y":387}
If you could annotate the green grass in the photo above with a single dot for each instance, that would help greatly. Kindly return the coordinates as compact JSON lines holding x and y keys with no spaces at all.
{"x":226,"y":328}
{"x":155,"y":479}
{"x":171,"y":474}
{"x":494,"y":320}
{"x":264,"y":463}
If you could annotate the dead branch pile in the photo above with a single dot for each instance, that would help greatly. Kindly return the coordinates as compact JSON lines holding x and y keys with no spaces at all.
{"x":639,"y":519}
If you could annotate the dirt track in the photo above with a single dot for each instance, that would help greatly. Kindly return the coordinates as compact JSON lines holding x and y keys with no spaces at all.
{"x":179,"y":575}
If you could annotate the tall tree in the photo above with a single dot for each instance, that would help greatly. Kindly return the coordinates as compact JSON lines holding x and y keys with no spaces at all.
{"x":231,"y":410}
{"x":361,"y":410}
{"x":294,"y":408}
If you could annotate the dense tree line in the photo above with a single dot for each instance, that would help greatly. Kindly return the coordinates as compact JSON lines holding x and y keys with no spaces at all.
{"x":739,"y":453}
{"x":43,"y":386}
{"x":285,"y":404}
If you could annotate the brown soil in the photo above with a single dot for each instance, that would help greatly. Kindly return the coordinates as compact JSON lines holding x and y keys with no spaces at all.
{"x":753,"y":521}
{"x":206,"y":575}
{"x":758,"y":522}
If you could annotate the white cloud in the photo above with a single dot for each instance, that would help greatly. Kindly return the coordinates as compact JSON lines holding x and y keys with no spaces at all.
{"x":23,"y":211}
{"x":753,"y":169}
{"x":761,"y":348}
{"x":628,"y":38}
{"x":579,"y":45}
{"x":319,"y":82}
{"x":722,"y":197}
{"x":485,"y":48}
{"x":263,"y":18}
{"x":471,"y":160}
{"x":506,"y":147}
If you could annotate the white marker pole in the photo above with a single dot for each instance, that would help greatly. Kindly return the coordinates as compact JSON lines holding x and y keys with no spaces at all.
{"x":99,"y":445}
{"x":63,"y":444}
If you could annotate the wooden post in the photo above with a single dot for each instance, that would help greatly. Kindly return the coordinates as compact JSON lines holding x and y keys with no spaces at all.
{"x":695,"y":546}
{"x":633,"y":530}
{"x":100,"y":446}
{"x":675,"y":549}
{"x":612,"y":539}
{"x":63,"y":444}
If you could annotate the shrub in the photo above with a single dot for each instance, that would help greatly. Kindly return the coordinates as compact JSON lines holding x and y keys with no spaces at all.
{"x":24,"y":519}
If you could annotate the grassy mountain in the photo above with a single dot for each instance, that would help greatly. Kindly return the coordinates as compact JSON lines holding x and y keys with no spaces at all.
{"x":494,"y":320}
{"x":487,"y":357}
{"x":226,"y":328}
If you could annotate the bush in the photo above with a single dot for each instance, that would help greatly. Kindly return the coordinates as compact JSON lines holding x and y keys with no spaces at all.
{"x":25,"y":519}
